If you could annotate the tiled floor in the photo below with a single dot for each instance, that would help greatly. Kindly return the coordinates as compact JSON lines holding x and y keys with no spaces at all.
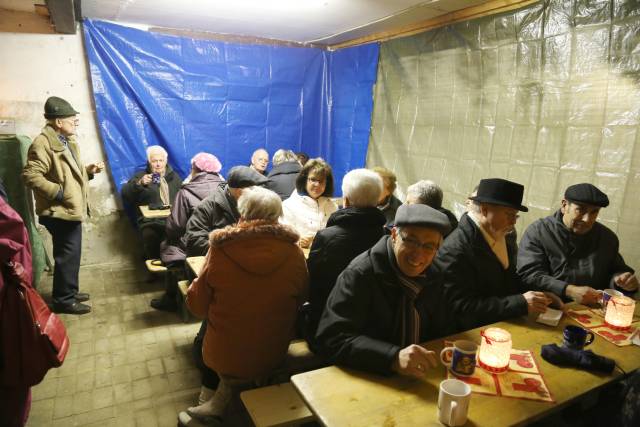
{"x":128,"y":365}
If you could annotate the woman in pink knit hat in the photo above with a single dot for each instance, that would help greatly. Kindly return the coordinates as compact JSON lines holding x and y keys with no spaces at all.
{"x":203,"y":181}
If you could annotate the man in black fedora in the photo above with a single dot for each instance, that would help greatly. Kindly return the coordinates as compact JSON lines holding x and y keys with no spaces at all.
{"x":478,"y":264}
{"x":572,"y":255}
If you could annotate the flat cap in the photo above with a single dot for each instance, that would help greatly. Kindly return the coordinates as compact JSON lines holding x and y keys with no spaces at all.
{"x":422,"y":216}
{"x":56,"y":107}
{"x":586,"y":193}
{"x":244,"y":176}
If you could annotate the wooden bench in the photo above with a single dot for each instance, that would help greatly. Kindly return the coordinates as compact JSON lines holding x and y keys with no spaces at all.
{"x":181,"y":300}
{"x":155,"y":266}
{"x":276,"y":405}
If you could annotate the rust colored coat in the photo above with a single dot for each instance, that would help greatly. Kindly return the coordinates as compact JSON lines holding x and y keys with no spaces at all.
{"x":254,"y":279}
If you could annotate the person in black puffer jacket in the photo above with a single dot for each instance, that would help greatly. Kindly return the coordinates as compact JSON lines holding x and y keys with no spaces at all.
{"x":158,"y":184}
{"x":282,"y":178}
{"x":350,"y":231}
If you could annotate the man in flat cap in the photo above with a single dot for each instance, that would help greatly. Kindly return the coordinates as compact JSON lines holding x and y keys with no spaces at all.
{"x":570,"y":254}
{"x":387,"y":300}
{"x":478,"y":263}
{"x":59,"y":180}
{"x":219,"y":209}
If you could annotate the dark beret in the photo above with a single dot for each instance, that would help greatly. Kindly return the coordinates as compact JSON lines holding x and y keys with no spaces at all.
{"x":586,"y":193}
{"x":422,"y":216}
{"x":244,"y":176}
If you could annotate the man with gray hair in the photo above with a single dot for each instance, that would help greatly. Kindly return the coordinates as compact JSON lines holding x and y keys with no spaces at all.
{"x":260,"y":161}
{"x":428,"y":193}
{"x":157,"y":185}
{"x":349,"y":232}
{"x":282,"y":178}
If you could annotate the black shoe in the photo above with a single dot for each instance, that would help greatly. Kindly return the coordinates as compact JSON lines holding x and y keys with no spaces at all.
{"x":81,"y":297}
{"x":164,"y":304}
{"x":75,"y":308}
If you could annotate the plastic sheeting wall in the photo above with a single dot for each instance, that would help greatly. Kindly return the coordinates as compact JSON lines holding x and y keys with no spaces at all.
{"x":228,"y":99}
{"x":547,"y":96}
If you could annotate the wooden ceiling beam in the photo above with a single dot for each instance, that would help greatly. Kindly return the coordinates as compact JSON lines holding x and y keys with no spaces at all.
{"x":491,"y":7}
{"x":63,"y":15}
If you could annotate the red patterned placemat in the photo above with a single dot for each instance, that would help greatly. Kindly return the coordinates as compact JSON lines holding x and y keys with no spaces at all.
{"x":523,"y":380}
{"x":592,"y":319}
{"x":619,"y":338}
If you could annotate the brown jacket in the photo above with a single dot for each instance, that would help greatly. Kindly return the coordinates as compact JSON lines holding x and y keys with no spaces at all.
{"x":254,"y":279}
{"x":51,"y":167}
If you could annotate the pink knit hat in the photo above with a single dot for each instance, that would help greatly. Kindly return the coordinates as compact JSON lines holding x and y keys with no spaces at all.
{"x":206,"y":162}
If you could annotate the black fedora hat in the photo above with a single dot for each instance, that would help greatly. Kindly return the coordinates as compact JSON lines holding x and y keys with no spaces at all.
{"x":499,"y":191}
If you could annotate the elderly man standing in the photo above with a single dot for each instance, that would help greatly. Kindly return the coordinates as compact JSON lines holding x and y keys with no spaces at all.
{"x":219,"y":209}
{"x":260,"y":161}
{"x":385,"y":302}
{"x":55,"y":173}
{"x":478,"y":267}
{"x":570,"y":254}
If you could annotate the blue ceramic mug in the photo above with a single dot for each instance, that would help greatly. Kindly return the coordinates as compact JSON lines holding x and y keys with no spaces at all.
{"x":576,"y":337}
{"x":155,"y":178}
{"x":462,"y":358}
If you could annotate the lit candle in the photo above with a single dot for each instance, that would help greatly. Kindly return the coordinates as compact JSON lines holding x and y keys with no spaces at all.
{"x":619,"y":313}
{"x":495,"y":350}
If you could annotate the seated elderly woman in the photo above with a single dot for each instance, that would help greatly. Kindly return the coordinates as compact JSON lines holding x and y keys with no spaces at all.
{"x":157,"y":185}
{"x":350,"y":231}
{"x":310,"y":204}
{"x":250,"y":288}
{"x":425,"y":192}
{"x":204,"y":179}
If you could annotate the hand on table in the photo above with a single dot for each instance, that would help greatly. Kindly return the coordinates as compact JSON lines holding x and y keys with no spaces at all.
{"x":537,"y":302}
{"x":626,"y":281}
{"x":146,"y":179}
{"x":414,"y":361}
{"x":555,"y":301}
{"x":95,"y":168}
{"x":584,"y":295}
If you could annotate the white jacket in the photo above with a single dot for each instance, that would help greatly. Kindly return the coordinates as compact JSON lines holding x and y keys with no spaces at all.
{"x":306,"y":215}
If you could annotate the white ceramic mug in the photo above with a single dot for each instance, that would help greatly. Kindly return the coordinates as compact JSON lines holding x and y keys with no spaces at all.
{"x":453,"y":402}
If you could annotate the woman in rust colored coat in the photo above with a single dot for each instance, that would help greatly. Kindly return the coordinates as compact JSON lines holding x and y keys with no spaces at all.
{"x":253,"y":282}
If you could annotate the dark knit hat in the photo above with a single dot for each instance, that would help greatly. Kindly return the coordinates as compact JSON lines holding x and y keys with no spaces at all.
{"x":586,"y":193}
{"x":244,"y":176}
{"x":499,"y":191}
{"x":57,"y":108}
{"x":422,"y":216}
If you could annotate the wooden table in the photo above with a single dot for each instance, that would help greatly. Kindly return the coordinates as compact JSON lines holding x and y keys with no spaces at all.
{"x":345,"y":397}
{"x":195,"y":263}
{"x":159,"y":213}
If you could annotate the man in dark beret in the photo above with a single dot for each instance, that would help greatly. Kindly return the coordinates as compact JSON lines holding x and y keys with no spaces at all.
{"x":478,"y":262}
{"x":387,"y":300}
{"x":570,"y":254}
{"x":219,"y":209}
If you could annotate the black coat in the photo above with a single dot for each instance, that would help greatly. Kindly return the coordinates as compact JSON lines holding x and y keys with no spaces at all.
{"x":550,"y":256}
{"x":140,"y":195}
{"x":361,"y":324}
{"x":389,"y":210}
{"x":216,"y":211}
{"x":479,"y":290}
{"x":349,"y":232}
{"x":282,"y":179}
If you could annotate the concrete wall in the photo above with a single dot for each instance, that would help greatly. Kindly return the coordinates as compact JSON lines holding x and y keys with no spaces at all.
{"x":34,"y":67}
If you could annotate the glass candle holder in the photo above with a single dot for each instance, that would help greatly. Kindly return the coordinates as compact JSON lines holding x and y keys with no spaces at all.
{"x":619,"y":313}
{"x":495,"y":350}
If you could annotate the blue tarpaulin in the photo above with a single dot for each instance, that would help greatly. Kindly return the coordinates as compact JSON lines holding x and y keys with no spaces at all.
{"x":191,"y":95}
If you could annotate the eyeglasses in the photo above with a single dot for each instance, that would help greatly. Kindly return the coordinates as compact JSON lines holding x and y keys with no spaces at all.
{"x":72,"y":120}
{"x":315,"y":180}
{"x":415,"y":245}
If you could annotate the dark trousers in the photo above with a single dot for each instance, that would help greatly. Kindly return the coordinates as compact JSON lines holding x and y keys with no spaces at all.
{"x":67,"y":247}
{"x":210,"y":378}
{"x":152,"y":236}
